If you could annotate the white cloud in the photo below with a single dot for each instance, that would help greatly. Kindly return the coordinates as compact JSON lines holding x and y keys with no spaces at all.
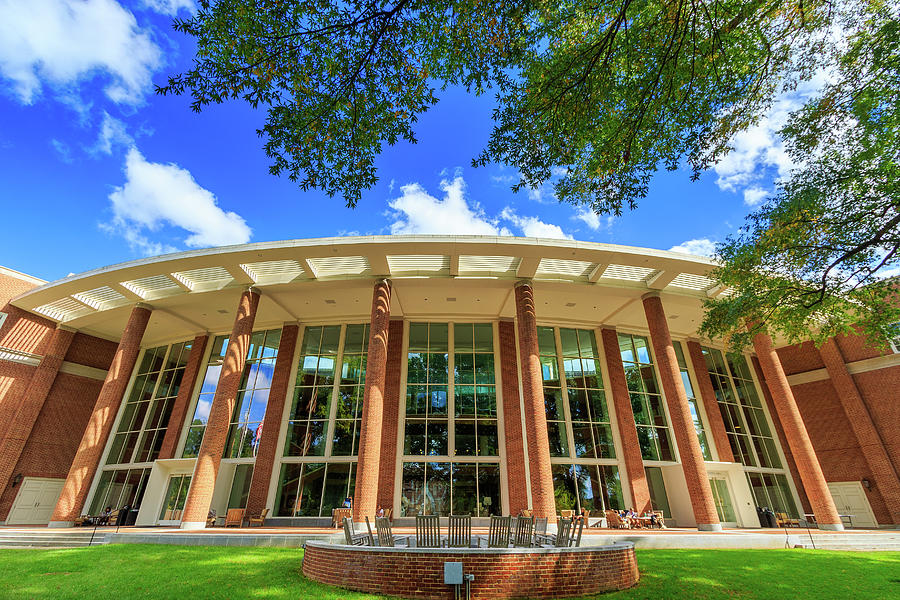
{"x":112,"y":132}
{"x":170,"y":7}
{"x":65,"y":153}
{"x":754,"y":196}
{"x":760,"y":148}
{"x":62,"y":42}
{"x":534,"y":227}
{"x":701,"y":247}
{"x":156,"y":194}
{"x":592,"y":219}
{"x":419,"y":212}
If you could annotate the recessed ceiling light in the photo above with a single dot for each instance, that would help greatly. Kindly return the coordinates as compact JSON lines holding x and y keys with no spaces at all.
{"x":570,"y":304}
{"x":451,"y":299}
{"x":222,"y":311}
{"x":330,"y":301}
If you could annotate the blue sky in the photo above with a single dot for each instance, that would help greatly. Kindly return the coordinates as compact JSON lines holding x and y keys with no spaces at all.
{"x":96,"y":169}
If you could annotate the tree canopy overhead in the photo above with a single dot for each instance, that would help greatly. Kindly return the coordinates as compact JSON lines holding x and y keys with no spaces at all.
{"x":605,"y":92}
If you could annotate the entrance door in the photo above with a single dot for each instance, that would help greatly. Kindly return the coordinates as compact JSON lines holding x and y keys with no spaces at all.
{"x":722,"y":498}
{"x":35,"y":501}
{"x":850,"y":499}
{"x":173,"y":504}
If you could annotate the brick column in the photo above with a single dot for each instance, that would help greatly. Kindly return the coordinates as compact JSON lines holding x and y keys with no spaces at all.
{"x":517,"y":484}
{"x":87,"y":458}
{"x":714,"y":423}
{"x":196,"y":506}
{"x":365,"y":498}
{"x":680,"y":413}
{"x":271,"y":427}
{"x":882,"y":469}
{"x":188,"y":381}
{"x":797,"y":436}
{"x":543,"y":501}
{"x":636,"y":478}
{"x":392,"y":407}
{"x":19,"y":429}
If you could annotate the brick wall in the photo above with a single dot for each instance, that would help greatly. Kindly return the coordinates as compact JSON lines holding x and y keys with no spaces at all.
{"x":57,"y":432}
{"x":91,"y":351}
{"x":517,"y":485}
{"x":498,"y":573}
{"x":392,"y":406}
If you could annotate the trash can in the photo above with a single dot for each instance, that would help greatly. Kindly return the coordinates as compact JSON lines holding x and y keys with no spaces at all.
{"x":761,"y":515}
{"x":124,"y":512}
{"x":770,"y":517}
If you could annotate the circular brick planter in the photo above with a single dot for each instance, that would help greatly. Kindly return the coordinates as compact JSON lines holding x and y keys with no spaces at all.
{"x":499,"y":572}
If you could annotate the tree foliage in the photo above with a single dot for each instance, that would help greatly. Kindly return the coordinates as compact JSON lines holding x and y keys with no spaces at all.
{"x":815,"y":260}
{"x":605,"y":91}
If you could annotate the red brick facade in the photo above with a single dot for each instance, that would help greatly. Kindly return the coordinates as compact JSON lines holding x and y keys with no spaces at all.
{"x":516,"y":465}
{"x":543,"y":501}
{"x":93,"y":442}
{"x":368,"y":471}
{"x":680,"y":414}
{"x":392,"y":407}
{"x":543,"y":573}
{"x":199,"y":499}
{"x":634,"y":478}
{"x":798,"y":438}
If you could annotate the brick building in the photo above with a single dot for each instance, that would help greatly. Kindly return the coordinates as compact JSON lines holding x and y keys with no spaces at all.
{"x":465,"y":375}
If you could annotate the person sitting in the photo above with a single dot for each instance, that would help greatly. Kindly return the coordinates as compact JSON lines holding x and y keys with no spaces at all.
{"x":103,"y":519}
{"x":348,"y":502}
{"x":380,"y":512}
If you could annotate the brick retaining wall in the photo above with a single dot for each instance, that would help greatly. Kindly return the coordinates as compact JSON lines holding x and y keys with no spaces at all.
{"x":499,"y":573}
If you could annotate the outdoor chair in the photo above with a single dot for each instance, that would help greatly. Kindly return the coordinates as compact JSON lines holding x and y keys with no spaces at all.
{"x":614,"y":521}
{"x":563,"y":529}
{"x":459,"y":531}
{"x":599,"y":515}
{"x":660,"y":519}
{"x":370,"y":539}
{"x":338,"y":515}
{"x":567,"y":514}
{"x":211,"y":518}
{"x":389,"y":514}
{"x":526,"y":513}
{"x":386,"y":535}
{"x":541,"y":537}
{"x":234,"y":517}
{"x":260,"y":520}
{"x":784,"y":520}
{"x":351,"y":537}
{"x":428,"y":531}
{"x":498,"y":532}
{"x":575,"y":532}
{"x":524,"y":528}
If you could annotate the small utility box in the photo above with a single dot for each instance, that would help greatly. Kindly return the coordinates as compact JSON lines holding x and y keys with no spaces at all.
{"x":453,"y":573}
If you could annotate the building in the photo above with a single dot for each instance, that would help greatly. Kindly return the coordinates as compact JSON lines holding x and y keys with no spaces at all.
{"x":472,"y":375}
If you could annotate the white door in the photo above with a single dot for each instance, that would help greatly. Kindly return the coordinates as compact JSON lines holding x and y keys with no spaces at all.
{"x":850,"y":499}
{"x":722,"y":497}
{"x":35,"y":501}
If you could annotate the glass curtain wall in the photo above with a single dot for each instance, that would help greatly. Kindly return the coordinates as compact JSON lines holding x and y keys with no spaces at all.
{"x":646,"y":400}
{"x":252,"y":398}
{"x":745,"y":421}
{"x":319,"y":465}
{"x":146,"y":412}
{"x":692,"y":401}
{"x":451,"y":442}
{"x":582,"y":451}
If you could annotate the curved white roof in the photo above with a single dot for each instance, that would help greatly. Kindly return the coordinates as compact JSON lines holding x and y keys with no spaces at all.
{"x":290,"y":273}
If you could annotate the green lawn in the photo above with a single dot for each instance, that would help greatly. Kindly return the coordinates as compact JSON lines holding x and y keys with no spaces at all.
{"x":197,"y":573}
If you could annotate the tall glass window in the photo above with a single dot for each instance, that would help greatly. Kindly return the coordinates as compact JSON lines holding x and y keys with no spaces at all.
{"x":593,"y":488}
{"x":554,"y":401}
{"x":646,"y":400}
{"x":145,"y":415}
{"x":119,"y":488}
{"x":427,"y":414}
{"x":452,"y":419}
{"x":253,"y":395}
{"x":319,"y":468}
{"x":252,"y":398}
{"x":771,"y":490}
{"x":745,"y":421}
{"x":692,"y":401}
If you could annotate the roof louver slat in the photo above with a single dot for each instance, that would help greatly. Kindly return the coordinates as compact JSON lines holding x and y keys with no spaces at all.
{"x":100,"y":297}
{"x":281,"y":271}
{"x":340,"y":266}
{"x":690,"y":281}
{"x":564,"y":269}
{"x":64,"y":309}
{"x":488,"y":265}
{"x":627,"y":273}
{"x":419,"y":264}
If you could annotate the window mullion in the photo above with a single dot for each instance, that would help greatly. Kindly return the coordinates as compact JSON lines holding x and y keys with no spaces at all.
{"x":335,"y":390}
{"x":564,"y":388}
{"x":451,"y":399}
